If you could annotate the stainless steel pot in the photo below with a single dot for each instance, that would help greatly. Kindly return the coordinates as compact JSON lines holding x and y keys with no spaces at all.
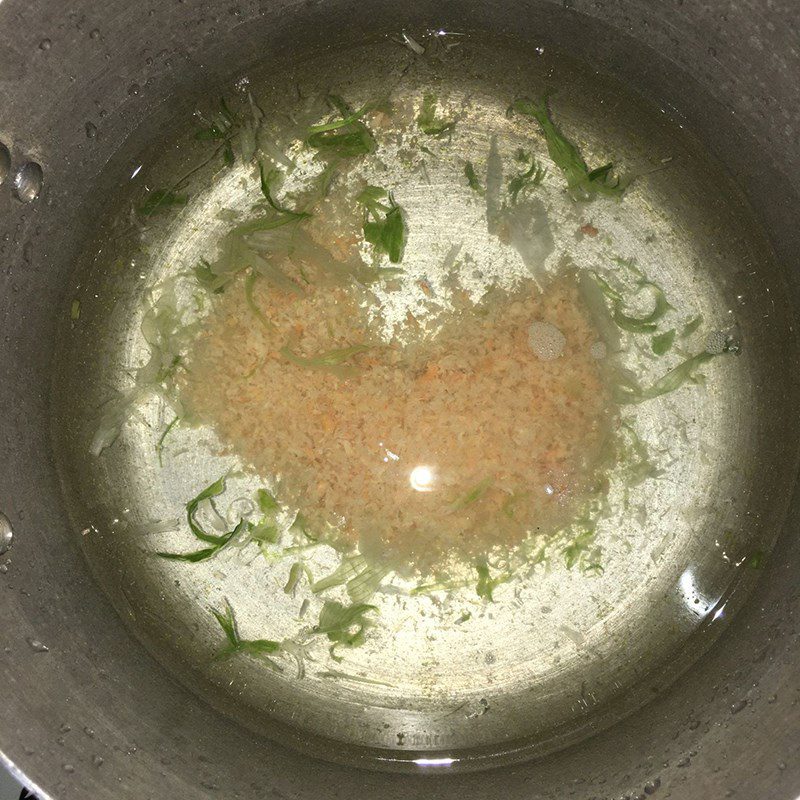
{"x":87,"y":712}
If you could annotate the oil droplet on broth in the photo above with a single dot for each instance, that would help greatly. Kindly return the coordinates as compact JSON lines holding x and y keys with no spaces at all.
{"x":459,"y":435}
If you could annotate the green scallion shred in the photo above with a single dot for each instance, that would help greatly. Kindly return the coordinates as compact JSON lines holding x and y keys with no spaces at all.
{"x":582,"y":183}
{"x":268,"y":179}
{"x":486,"y":583}
{"x":296,"y":572}
{"x":344,"y":625}
{"x":580,"y":545}
{"x":691,"y":326}
{"x":428,"y":122}
{"x":249,"y":284}
{"x":257,"y":648}
{"x":328,"y":360}
{"x":531,"y":178}
{"x":647,"y":323}
{"x":472,"y":496}
{"x":384,"y":223}
{"x":347,"y":137}
{"x":661,"y":343}
{"x":472,"y":179}
{"x":162,"y":438}
{"x":674,"y":379}
{"x":161,"y":200}
{"x":75,"y":310}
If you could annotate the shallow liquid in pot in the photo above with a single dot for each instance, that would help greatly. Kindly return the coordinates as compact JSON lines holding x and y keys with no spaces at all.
{"x":574,"y":626}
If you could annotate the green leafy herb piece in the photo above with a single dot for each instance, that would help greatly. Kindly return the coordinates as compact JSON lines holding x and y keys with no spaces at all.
{"x":578,"y":547}
{"x":756,"y":559}
{"x":296,"y":572}
{"x":594,"y":569}
{"x":472,"y":178}
{"x":266,"y":502}
{"x":161,"y":200}
{"x":691,"y":326}
{"x":647,"y":323}
{"x":583,"y":183}
{"x":674,"y":379}
{"x":635,"y":457}
{"x":344,"y":625}
{"x":336,"y":675}
{"x":257,"y":648}
{"x":486,"y":583}
{"x":207,"y":278}
{"x":361,"y":578}
{"x":439,"y":586}
{"x":249,"y":284}
{"x":196,"y":556}
{"x":347,"y":137}
{"x":427,"y":121}
{"x":224,"y":125}
{"x":209,"y":493}
{"x":217,"y":541}
{"x":327,"y":360}
{"x":162,"y":438}
{"x":472,"y":496}
{"x":608,"y":290}
{"x":75,"y":310}
{"x":662,"y":342}
{"x":384,"y":224}
{"x":532,"y":177}
{"x":267,"y":180}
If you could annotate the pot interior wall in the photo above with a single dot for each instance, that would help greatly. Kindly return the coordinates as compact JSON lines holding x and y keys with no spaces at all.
{"x":93,"y":711}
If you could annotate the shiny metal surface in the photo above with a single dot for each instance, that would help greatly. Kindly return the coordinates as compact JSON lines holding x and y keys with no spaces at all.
{"x":148,"y":735}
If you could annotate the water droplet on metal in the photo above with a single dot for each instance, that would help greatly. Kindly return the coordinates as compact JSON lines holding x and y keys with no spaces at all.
{"x":91,"y":130}
{"x":28,"y":182}
{"x":6,"y":534}
{"x":89,"y":732}
{"x":5,"y":163}
{"x":37,"y":646}
{"x":97,"y":761}
{"x":781,"y":765}
{"x":134,"y":89}
{"x":45,"y":44}
{"x":3,"y":569}
{"x":65,"y":728}
{"x":738,"y":706}
{"x":68,"y":768}
{"x":652,"y":786}
{"x":94,"y":34}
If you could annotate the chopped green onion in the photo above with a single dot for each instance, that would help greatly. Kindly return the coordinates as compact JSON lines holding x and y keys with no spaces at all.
{"x":75,"y":309}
